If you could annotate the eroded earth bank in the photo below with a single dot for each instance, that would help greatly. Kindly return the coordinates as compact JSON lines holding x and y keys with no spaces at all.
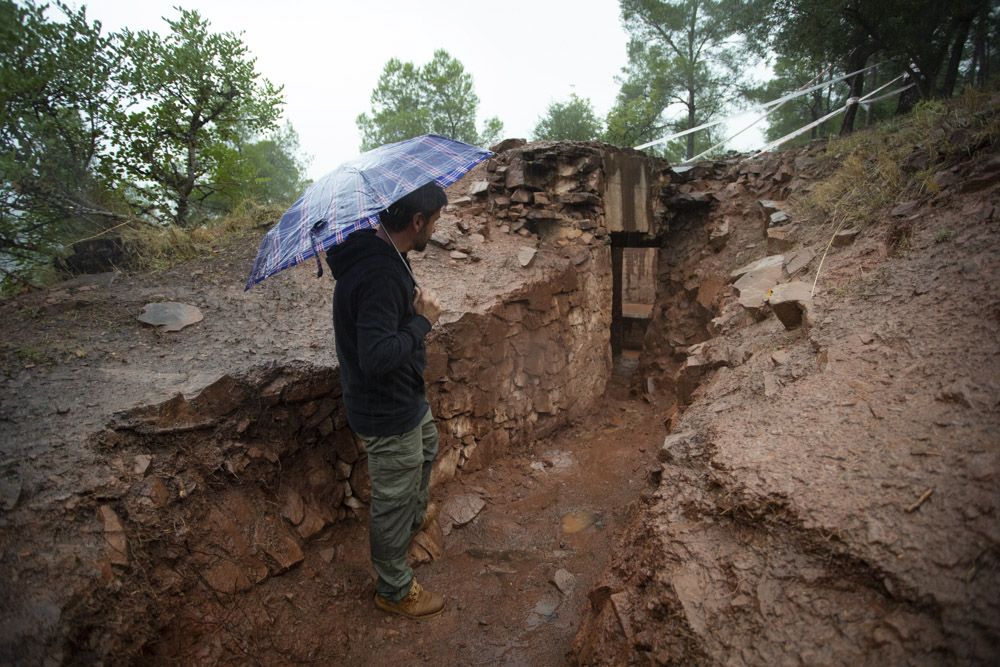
{"x":826,"y":493}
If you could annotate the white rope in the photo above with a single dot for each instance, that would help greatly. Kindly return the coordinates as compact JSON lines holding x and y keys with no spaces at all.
{"x":791,"y":135}
{"x":779,"y":101}
{"x":887,"y":95}
{"x":755,"y":121}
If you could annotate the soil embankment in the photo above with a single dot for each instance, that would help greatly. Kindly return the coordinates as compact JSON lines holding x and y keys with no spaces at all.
{"x":829,"y":495}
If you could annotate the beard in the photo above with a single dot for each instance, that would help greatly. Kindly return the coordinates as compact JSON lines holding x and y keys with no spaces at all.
{"x":420,"y":243}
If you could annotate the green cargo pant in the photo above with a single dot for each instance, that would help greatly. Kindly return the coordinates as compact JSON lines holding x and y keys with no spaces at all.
{"x":400,"y":471}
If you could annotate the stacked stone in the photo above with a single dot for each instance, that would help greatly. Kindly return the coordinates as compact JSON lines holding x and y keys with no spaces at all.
{"x":223,"y":462}
{"x":523,"y":368}
{"x":549,"y":189}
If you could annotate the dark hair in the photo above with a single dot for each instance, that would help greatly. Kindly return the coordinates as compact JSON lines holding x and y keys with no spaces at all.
{"x":426,"y":199}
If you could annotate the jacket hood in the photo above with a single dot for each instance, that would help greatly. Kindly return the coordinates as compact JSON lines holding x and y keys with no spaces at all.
{"x":359,"y":245}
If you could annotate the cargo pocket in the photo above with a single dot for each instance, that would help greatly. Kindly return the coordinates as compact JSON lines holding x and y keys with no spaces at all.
{"x":395,"y":475}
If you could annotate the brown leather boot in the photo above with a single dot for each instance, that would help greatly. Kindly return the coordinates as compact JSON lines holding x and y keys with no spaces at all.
{"x":418,"y":603}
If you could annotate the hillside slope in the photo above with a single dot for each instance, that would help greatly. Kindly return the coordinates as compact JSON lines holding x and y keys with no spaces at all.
{"x":830,"y":495}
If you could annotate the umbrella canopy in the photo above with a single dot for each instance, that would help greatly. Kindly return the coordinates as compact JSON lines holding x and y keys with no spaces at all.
{"x":350,"y":197}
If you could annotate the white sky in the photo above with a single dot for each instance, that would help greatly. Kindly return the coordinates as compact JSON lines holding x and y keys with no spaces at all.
{"x":522,"y":54}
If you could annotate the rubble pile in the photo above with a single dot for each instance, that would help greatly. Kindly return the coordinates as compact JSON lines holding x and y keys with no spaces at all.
{"x":715,"y":215}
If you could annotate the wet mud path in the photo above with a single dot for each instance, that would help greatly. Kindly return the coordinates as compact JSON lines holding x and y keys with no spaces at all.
{"x":515,"y":577}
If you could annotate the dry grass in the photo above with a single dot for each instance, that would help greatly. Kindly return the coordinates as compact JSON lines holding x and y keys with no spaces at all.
{"x":150,"y":248}
{"x":870,"y":170}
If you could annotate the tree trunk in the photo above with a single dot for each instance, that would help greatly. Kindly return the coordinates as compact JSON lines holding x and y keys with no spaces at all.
{"x":689,"y":153}
{"x":957,"y":48}
{"x":980,"y":59}
{"x":185,"y":189}
{"x":855,"y":61}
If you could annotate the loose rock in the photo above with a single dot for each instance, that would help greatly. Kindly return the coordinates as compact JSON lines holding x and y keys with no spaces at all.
{"x":525,"y":256}
{"x":845,"y":237}
{"x":114,"y":536}
{"x":765,"y":263}
{"x":791,"y":303}
{"x":170,"y":316}
{"x":460,"y":510}
{"x":564,"y":581}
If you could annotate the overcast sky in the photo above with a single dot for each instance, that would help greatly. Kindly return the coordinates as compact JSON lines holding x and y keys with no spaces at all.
{"x":522,"y":54}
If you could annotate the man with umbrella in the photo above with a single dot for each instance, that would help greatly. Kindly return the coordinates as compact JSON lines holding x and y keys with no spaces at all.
{"x":367,"y":213}
{"x":380,"y":319}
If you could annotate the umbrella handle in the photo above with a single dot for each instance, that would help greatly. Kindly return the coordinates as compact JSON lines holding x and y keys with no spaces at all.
{"x":315,"y":246}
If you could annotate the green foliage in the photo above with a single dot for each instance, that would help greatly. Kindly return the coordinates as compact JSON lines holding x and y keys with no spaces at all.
{"x":683,"y":70}
{"x":119,"y":132}
{"x":437,"y":98}
{"x":934,"y":36}
{"x":492,"y":131}
{"x":573,"y":120}
{"x":57,"y":105}
{"x":267,"y":171}
{"x":191,"y":92}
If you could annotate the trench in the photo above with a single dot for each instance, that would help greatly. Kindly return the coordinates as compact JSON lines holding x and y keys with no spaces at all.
{"x":242,"y":534}
{"x":246,"y":536}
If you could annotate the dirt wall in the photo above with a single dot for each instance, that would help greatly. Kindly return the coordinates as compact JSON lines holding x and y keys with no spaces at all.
{"x":218,"y":493}
{"x":827,"y":495}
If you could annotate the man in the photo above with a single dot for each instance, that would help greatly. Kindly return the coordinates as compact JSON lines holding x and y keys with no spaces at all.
{"x":380,"y":320}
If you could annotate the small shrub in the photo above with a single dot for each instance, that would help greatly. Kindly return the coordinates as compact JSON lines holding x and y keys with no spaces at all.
{"x":943,"y":235}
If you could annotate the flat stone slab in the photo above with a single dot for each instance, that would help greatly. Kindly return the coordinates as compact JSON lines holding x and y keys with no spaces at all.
{"x":170,"y":315}
{"x":845,"y":237}
{"x":460,"y":510}
{"x":765,"y":263}
{"x":799,"y":260}
{"x":525,"y":256}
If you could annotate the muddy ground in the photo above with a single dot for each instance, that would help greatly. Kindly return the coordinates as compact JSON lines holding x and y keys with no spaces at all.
{"x":825,"y":495}
{"x":557,"y":509}
{"x":831,"y":496}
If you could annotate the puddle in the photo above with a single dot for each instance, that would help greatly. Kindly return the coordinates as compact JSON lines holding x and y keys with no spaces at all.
{"x":577,"y":520}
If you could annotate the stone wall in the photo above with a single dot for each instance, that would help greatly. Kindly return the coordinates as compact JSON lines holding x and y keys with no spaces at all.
{"x":569,"y":192}
{"x":530,"y":364}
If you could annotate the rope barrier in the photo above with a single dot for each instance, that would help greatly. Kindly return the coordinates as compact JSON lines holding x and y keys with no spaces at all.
{"x":755,"y":121}
{"x":806,"y":128}
{"x":779,"y":101}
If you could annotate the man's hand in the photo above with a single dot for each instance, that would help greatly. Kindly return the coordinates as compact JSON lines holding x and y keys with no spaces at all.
{"x":426,"y":304}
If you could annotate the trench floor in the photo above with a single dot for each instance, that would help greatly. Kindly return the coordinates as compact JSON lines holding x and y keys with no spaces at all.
{"x":557,"y":505}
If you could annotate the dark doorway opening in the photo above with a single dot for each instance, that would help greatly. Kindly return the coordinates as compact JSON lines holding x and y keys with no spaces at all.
{"x":633,"y":282}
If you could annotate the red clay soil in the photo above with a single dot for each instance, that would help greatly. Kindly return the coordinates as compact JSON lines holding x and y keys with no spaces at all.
{"x":559,"y":507}
{"x":829,"y":496}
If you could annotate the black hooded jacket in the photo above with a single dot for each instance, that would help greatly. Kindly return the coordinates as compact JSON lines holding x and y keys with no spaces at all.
{"x":379,"y":337}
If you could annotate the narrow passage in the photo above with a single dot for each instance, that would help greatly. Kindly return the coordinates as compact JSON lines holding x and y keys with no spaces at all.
{"x":555,"y":508}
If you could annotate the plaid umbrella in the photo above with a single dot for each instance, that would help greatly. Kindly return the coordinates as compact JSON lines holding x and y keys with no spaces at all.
{"x":350,"y":197}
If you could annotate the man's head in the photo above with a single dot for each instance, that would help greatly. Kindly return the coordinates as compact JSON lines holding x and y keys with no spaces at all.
{"x":413,"y":216}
